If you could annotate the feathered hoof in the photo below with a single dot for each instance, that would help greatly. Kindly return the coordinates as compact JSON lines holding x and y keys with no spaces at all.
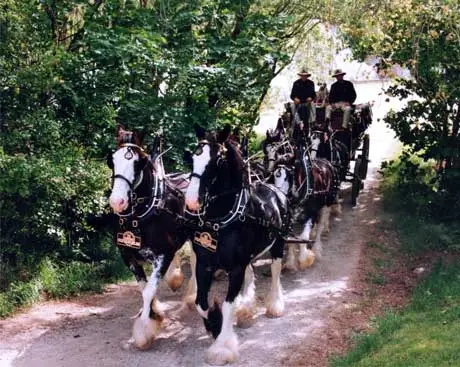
{"x":145,"y":332}
{"x":223,"y":352}
{"x":275,"y":305}
{"x":336,"y":209}
{"x":308,"y":261}
{"x":176,"y":279}
{"x":275,"y":311}
{"x":245,"y":316}
{"x":219,"y":275}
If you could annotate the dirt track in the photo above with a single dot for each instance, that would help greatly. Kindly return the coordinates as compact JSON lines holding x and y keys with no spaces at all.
{"x":92,"y":330}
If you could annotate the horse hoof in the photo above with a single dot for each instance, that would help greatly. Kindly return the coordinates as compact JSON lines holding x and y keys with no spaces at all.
{"x":245,"y":316}
{"x":274,"y":312}
{"x":219,"y":275}
{"x":145,"y":332}
{"x":175,"y":280}
{"x":223,"y":352}
{"x":275,"y":305}
{"x":289,"y":268}
{"x":308,"y":261}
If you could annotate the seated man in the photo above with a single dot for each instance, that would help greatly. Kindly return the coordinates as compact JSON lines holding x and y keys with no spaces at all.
{"x":303,"y":93}
{"x":342,"y":95}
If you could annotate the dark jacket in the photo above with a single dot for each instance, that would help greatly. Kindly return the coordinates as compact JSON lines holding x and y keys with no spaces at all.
{"x":342,"y":91}
{"x":303,"y":89}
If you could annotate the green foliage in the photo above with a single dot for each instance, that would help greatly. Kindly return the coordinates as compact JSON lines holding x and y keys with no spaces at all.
{"x":60,"y":279}
{"x":70,"y":71}
{"x":425,"y":215}
{"x":414,"y":185}
{"x":424,"y":37}
{"x":424,"y":334}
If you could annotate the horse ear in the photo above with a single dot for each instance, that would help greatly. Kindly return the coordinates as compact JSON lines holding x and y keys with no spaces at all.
{"x":224,"y":133}
{"x":199,"y":131}
{"x":120,"y":131}
{"x":280,"y":125}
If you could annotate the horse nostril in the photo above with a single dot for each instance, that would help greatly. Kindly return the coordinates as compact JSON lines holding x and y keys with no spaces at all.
{"x":122,"y":201}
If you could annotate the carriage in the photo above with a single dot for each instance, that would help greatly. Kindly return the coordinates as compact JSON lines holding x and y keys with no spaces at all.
{"x":342,"y":146}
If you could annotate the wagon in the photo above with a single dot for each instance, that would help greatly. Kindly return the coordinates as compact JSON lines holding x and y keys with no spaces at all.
{"x":346,"y":145}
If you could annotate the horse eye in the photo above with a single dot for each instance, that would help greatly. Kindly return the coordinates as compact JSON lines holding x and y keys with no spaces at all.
{"x":278,"y":174}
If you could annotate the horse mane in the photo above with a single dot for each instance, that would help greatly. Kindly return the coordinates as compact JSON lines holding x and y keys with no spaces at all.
{"x":234,"y":155}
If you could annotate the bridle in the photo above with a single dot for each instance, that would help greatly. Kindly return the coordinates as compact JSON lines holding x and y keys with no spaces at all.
{"x":128,"y":156}
{"x":239,"y":205}
{"x":141,"y":207}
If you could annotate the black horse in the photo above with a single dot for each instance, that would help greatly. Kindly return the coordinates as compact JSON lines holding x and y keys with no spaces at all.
{"x":238,"y":223}
{"x":148,"y":205}
{"x":328,"y":146}
{"x":310,"y":183}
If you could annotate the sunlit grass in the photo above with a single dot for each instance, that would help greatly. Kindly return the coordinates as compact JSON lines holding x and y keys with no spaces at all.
{"x":427,"y":333}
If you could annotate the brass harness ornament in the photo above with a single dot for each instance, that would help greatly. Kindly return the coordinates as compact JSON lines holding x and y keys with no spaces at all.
{"x":204,"y":239}
{"x":128,"y":239}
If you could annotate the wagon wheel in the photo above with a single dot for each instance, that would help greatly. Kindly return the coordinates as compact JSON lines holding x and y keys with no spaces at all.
{"x":364,"y":163}
{"x":365,"y":157}
{"x":366,"y":142}
{"x":356,"y":182}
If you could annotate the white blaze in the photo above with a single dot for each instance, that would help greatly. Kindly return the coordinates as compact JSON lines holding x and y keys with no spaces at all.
{"x":281,"y":180}
{"x":125,"y":167}
{"x":199,"y":165}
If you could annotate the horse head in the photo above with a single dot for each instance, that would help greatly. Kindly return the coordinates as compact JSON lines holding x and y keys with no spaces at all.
{"x":316,"y":137}
{"x":272,"y":143}
{"x":217,"y":166}
{"x":127,"y":164}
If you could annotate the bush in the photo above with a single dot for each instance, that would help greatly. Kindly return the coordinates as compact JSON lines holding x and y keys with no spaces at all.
{"x":422,"y":189}
{"x":425,"y":211}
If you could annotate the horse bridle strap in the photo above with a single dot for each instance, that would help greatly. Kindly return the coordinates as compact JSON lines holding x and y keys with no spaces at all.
{"x":132,"y":185}
{"x":131,"y":145}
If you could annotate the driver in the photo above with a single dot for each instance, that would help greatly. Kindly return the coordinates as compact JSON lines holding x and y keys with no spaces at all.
{"x":342,"y":95}
{"x":303,"y":93}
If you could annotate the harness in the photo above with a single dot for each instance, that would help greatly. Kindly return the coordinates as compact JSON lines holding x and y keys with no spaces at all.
{"x":141,"y":208}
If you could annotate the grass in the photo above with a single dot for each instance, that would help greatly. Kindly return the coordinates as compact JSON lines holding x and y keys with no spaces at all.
{"x":426,"y":333}
{"x":376,"y":278}
{"x":59,"y":280}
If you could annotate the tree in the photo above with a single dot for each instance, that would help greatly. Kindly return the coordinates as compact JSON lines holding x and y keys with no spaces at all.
{"x":423,"y":36}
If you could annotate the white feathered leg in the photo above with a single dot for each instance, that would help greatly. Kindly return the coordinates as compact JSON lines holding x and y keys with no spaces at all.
{"x":291,"y":261}
{"x":306,"y":256}
{"x":275,"y":300}
{"x":145,"y":329}
{"x":174,"y":276}
{"x":190,"y":293}
{"x":246,"y":308}
{"x":225,"y":349}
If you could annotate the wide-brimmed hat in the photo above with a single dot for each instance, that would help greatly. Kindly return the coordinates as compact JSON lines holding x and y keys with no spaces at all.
{"x":303,"y":73}
{"x":338,"y":72}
